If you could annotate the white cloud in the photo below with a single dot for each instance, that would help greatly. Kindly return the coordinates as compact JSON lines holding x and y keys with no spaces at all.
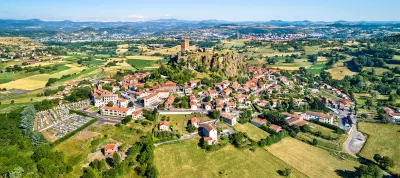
{"x":137,"y":17}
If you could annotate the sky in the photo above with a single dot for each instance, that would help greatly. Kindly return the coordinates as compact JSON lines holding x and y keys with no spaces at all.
{"x":229,"y":10}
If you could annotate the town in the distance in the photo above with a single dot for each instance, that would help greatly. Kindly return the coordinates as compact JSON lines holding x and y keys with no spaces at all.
{"x":171,"y":98}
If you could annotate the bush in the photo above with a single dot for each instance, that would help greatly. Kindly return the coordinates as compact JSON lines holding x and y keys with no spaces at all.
{"x":286,"y":172}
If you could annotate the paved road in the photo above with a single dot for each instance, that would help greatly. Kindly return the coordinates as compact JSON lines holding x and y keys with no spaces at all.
{"x":100,"y":119}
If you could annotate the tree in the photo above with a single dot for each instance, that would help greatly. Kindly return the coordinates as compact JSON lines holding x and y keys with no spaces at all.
{"x":90,"y":173}
{"x":238,"y":139}
{"x":16,"y":172}
{"x":369,"y":102}
{"x":12,"y":101}
{"x":385,"y":162}
{"x":369,"y":171}
{"x":191,"y":128}
{"x":110,"y":104}
{"x":130,"y":104}
{"x":36,"y":138}
{"x":286,"y":172}
{"x":127,"y":119}
{"x":215,"y":114}
{"x":314,"y":142}
{"x":306,"y":128}
{"x":116,"y":159}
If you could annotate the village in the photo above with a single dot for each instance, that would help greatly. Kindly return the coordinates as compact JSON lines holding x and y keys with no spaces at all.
{"x":225,"y":102}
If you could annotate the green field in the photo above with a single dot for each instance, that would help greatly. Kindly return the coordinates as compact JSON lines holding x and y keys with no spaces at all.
{"x":140,"y":64}
{"x":93,"y":62}
{"x":316,"y":68}
{"x":312,"y":161}
{"x":187,"y":159}
{"x":252,"y":131}
{"x":383,"y":139}
{"x":83,"y":73}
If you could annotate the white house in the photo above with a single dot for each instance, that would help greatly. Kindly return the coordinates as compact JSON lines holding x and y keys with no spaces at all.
{"x":231,"y":120}
{"x":163,"y":126}
{"x":122,"y":103}
{"x":210,"y":134}
{"x":116,"y":111}
{"x":193,"y":105}
{"x":195,"y":122}
{"x":137,"y":115}
{"x":317,"y":116}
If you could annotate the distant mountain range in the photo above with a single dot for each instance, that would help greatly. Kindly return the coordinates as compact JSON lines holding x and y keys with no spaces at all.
{"x":70,"y":26}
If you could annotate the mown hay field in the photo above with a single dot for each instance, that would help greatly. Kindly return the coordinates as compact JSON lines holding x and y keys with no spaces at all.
{"x":312,"y":161}
{"x":187,"y":159}
{"x":384,"y":139}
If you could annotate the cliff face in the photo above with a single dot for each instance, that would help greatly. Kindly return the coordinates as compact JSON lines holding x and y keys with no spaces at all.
{"x":230,"y":64}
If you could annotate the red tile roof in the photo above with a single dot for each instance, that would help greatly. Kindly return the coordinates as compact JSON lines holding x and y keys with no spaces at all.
{"x":115,"y":108}
{"x":259,"y":121}
{"x":164,"y":123}
{"x":195,"y":120}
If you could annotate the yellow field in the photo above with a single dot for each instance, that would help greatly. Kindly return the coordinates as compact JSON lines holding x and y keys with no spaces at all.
{"x":39,"y":81}
{"x":310,"y":160}
{"x":252,"y":131}
{"x":152,"y":58}
{"x":121,"y":51}
{"x":339,"y":71}
{"x":187,"y":159}
{"x":397,"y":57}
{"x":120,"y":66}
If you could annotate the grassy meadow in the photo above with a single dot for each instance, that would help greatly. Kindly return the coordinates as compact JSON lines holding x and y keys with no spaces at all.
{"x":183,"y":159}
{"x":252,"y":131}
{"x":312,"y":161}
{"x":383,"y":139}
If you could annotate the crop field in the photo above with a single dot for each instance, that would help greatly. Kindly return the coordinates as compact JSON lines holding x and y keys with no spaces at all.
{"x":150,"y":58}
{"x":396,"y":57}
{"x":140,"y":64}
{"x":316,"y":68}
{"x":383,"y":139}
{"x":40,"y":80}
{"x":83,"y":74}
{"x":185,"y":158}
{"x":312,"y":161}
{"x":252,"y":131}
{"x":291,"y":66}
{"x":93,"y":62}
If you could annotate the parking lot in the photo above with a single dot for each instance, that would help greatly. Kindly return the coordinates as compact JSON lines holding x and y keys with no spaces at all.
{"x":59,"y":122}
{"x":68,"y":125}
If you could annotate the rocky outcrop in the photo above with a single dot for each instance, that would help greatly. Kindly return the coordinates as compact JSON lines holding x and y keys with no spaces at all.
{"x":230,"y":64}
